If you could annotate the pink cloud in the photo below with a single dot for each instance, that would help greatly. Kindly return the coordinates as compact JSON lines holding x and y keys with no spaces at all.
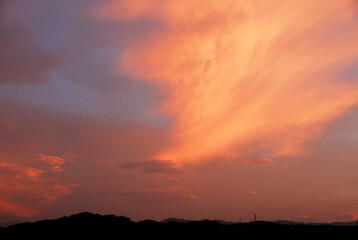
{"x":231,"y":79}
{"x":20,"y":171}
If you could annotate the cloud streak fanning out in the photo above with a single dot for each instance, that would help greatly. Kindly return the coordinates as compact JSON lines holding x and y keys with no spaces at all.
{"x":239,"y":75}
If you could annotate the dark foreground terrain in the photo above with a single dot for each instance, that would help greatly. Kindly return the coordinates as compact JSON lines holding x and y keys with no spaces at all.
{"x":95,"y":226}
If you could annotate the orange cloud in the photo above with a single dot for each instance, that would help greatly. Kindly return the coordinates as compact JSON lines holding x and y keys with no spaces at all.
{"x":27,"y":189}
{"x":239,"y":74}
{"x":55,"y":161}
{"x":52,"y":160}
{"x":20,"y":171}
{"x":34,"y":173}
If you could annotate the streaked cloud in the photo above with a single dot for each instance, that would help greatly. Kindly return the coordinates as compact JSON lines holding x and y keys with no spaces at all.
{"x":240,"y":73}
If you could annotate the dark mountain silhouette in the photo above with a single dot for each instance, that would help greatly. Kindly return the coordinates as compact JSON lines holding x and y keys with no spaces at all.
{"x":355,"y":223}
{"x":179,"y":220}
{"x":94,"y":226}
{"x":285,"y":222}
{"x":223,"y":222}
{"x":6,"y":224}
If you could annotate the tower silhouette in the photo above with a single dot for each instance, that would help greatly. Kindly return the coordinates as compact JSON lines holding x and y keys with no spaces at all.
{"x":255,"y":217}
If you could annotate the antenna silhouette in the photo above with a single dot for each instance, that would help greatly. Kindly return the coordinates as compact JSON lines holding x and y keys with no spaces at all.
{"x":255,"y":218}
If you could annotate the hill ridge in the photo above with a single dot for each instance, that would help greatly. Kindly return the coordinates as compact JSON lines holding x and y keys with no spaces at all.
{"x":88,"y":225}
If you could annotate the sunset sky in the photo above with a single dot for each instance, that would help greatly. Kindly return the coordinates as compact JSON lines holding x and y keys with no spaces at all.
{"x":195,"y":109}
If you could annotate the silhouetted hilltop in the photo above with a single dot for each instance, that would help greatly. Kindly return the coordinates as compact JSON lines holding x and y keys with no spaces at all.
{"x":179,"y":220}
{"x":95,"y":226}
{"x":355,"y":223}
{"x":285,"y":222}
{"x":7,"y":224}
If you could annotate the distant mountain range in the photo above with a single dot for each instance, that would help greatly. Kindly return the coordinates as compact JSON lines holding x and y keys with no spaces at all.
{"x":283,"y":222}
{"x":95,"y":226}
{"x":180,"y":220}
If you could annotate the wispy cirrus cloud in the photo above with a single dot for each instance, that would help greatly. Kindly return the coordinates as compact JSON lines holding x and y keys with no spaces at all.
{"x":240,"y":72}
{"x":238,"y":81}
